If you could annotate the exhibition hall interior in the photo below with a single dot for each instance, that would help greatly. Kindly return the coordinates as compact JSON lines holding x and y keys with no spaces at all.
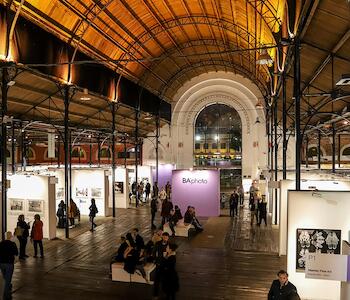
{"x":163,"y":149}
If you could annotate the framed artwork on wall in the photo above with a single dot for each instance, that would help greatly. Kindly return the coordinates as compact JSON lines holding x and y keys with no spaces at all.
{"x":16,"y":206}
{"x":60,"y":193}
{"x":119,"y":187}
{"x":81,"y":192}
{"x":316,"y":241}
{"x":35,"y":206}
{"x":96,"y":192}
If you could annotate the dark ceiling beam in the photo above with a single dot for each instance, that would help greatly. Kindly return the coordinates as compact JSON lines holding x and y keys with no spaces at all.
{"x":327,"y":59}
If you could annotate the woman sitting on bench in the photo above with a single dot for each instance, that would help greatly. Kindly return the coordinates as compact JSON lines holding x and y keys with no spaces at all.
{"x":133,"y":259}
{"x":190,"y":218}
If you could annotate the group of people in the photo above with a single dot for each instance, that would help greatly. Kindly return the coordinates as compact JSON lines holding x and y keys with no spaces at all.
{"x":9,"y":250}
{"x":258,"y":208}
{"x":73,"y":213}
{"x":141,"y":192}
{"x":134,"y":253}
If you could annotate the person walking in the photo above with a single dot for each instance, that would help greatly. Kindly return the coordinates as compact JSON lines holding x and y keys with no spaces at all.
{"x":93,"y":211}
{"x":168,"y":189}
{"x":36,"y":236}
{"x":73,"y":212}
{"x":8,"y":251}
{"x":60,"y":214}
{"x":147,"y":190}
{"x":241,"y":195}
{"x":262,"y":210}
{"x":153,"y":211}
{"x":167,"y":206}
{"x":170,"y":278}
{"x":281,"y":288}
{"x":22,"y":234}
{"x":155,"y":189}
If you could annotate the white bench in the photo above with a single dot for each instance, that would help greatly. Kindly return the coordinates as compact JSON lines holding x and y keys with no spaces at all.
{"x":119,"y":274}
{"x":181,"y":229}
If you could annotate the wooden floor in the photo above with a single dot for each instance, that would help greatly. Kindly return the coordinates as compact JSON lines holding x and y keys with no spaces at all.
{"x":78,"y":268}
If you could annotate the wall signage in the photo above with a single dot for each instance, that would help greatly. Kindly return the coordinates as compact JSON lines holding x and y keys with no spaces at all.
{"x":194,"y":180}
{"x":327,"y":267}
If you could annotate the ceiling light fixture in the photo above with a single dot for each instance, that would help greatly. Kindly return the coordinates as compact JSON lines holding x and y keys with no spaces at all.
{"x":86,"y":96}
{"x":264,"y":58}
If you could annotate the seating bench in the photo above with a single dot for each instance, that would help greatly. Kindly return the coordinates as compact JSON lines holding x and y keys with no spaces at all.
{"x":180,"y":229}
{"x":119,"y":274}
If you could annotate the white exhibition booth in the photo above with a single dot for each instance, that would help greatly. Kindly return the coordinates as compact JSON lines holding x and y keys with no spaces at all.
{"x":286,"y":185}
{"x":121,"y":189}
{"x":318,"y":221}
{"x":30,"y":195}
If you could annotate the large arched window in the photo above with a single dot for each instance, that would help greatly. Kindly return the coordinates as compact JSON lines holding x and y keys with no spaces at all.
{"x":346,"y":151}
{"x":78,"y":152}
{"x":105,"y":153}
{"x":218,"y":137}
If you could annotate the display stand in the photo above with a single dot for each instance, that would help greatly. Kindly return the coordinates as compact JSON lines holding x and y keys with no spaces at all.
{"x":198,"y":188}
{"x":30,"y":195}
{"x":87,"y":184}
{"x":285,"y":185}
{"x":121,"y":189}
{"x":317,"y":222}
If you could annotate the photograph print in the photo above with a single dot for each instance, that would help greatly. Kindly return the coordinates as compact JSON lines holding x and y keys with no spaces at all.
{"x":96,"y":192}
{"x":35,"y":206}
{"x":16,"y":205}
{"x":60,"y":193}
{"x":316,"y":241}
{"x":119,"y":187}
{"x":81,"y":192}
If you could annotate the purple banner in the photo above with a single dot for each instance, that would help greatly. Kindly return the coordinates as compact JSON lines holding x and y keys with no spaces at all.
{"x":198,"y":188}
{"x":164,"y":174}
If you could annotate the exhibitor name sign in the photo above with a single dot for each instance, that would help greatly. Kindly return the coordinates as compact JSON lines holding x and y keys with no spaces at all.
{"x":328,"y":267}
{"x":194,"y":180}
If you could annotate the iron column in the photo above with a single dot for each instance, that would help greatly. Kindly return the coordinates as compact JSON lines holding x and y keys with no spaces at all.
{"x":4,"y":90}
{"x":113,"y":159}
{"x":284,"y":125}
{"x":157,"y":147}
{"x":66,"y":155}
{"x":297,"y":111}
{"x":319,"y":150}
{"x":333,"y":148}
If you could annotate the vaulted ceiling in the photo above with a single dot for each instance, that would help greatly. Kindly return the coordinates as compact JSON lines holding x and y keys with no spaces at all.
{"x":161,"y":44}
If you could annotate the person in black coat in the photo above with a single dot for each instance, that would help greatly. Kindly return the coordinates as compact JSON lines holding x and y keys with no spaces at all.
{"x":178,"y":212}
{"x":158,"y":254}
{"x":170,"y":279}
{"x":8,"y":251}
{"x":172,"y":221}
{"x":93,"y":211}
{"x":234,"y":204}
{"x":22,"y":233}
{"x":60,"y":214}
{"x":153,"y":211}
{"x":138,"y":240}
{"x":281,"y":288}
{"x":262,"y":211}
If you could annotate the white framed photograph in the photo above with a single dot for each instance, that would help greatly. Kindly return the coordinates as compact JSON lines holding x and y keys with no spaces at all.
{"x":81,"y":192}
{"x":96,"y":192}
{"x":35,"y":206}
{"x":60,"y":193}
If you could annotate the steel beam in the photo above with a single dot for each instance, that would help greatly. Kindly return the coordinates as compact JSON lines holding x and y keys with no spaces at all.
{"x":276,"y":153}
{"x":157,"y":146}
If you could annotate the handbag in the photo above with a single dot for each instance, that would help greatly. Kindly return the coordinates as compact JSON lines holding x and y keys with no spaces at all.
{"x":18,"y":231}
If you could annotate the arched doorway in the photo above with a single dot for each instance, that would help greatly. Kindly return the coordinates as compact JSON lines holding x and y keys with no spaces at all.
{"x":218,"y":143}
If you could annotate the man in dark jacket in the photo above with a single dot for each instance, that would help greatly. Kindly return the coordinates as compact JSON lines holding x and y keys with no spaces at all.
{"x":173,"y":221}
{"x":153,"y":211}
{"x":158,"y":254}
{"x":8,"y":251}
{"x":167,"y":206}
{"x":234,"y":204}
{"x":281,"y":288}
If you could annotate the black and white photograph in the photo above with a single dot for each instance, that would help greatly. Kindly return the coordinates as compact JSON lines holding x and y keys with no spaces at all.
{"x":119,"y":187}
{"x":96,"y":192}
{"x":35,"y":206}
{"x":316,"y":241}
{"x":16,"y":205}
{"x":81,"y":192}
{"x":60,"y":193}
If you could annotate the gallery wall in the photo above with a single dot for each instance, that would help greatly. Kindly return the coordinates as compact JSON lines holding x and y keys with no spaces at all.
{"x":323,"y":211}
{"x":198,"y":188}
{"x":29,"y":195}
{"x":285,"y":185}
